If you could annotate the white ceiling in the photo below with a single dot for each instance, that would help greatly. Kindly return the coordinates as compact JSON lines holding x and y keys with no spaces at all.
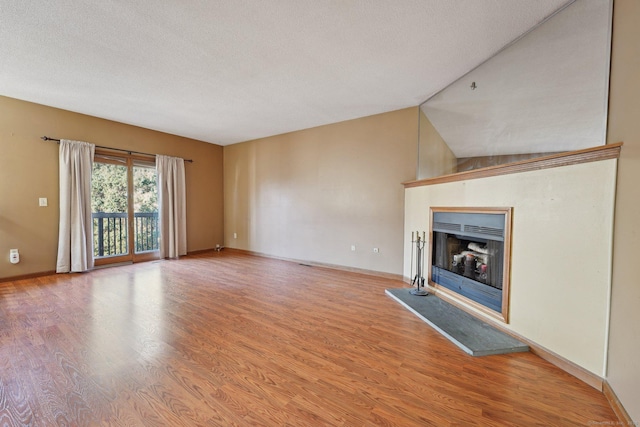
{"x":545,"y":93}
{"x":228,"y":71}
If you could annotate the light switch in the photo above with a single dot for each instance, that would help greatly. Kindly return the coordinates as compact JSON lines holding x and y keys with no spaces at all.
{"x":43,"y":201}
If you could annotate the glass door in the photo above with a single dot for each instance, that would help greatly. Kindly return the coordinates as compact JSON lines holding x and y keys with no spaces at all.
{"x":124,"y":206}
{"x":110,"y":209}
{"x":146,"y":242}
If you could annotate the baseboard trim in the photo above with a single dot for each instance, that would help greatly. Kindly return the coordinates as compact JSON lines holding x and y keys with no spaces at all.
{"x":569,"y":367}
{"x":623,"y":416}
{"x":27,"y":276}
{"x":321,"y":264}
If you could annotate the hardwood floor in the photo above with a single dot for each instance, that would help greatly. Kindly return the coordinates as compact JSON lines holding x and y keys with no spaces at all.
{"x":231,"y":339}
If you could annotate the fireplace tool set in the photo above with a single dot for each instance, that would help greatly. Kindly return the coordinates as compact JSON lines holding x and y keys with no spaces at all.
{"x":418,"y":280}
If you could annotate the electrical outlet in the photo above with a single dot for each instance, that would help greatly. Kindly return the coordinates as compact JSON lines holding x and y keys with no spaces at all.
{"x":353,"y":248}
{"x":376,"y":250}
{"x":42,"y":201}
{"x":235,"y":235}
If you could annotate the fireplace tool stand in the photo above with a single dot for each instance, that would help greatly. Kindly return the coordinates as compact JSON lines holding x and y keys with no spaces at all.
{"x":418,"y":279}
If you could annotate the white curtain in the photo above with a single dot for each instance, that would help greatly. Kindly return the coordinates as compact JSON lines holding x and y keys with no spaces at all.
{"x":75,"y":238}
{"x":172,"y":206}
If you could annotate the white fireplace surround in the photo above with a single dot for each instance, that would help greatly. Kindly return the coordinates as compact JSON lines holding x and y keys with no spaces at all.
{"x":562,"y":228}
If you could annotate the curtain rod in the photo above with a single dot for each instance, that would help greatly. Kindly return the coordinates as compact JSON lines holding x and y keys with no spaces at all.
{"x":46,"y":138}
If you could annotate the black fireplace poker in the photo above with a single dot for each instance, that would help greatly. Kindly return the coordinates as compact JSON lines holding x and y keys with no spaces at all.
{"x":418,"y":279}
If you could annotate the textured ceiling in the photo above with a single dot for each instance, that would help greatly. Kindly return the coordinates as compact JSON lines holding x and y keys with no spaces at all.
{"x":233,"y":70}
{"x":545,"y":93}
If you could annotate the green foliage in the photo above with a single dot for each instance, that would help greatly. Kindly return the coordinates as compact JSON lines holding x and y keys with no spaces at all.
{"x":145,"y":190}
{"x":109,"y":188}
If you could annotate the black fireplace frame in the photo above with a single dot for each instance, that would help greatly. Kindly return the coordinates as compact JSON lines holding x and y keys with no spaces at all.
{"x":493,"y":222}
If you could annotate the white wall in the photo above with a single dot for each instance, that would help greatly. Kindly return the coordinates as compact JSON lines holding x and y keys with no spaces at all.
{"x":561,"y":250}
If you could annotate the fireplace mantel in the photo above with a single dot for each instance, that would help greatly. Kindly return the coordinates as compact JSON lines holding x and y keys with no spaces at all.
{"x":594,"y":154}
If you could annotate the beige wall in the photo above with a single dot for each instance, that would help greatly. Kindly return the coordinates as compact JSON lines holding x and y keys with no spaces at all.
{"x":310,"y":195}
{"x":435,"y":158}
{"x":561,"y":250}
{"x":29,"y":170}
{"x":624,"y":125}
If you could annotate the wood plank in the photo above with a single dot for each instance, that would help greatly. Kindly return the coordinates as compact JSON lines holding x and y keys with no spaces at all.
{"x":226,"y":338}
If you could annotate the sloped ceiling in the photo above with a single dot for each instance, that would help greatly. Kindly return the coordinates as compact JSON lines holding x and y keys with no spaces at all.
{"x":234,"y":70}
{"x":545,"y":93}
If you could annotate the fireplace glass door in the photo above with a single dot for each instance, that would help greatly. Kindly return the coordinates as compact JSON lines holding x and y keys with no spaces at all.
{"x":468,"y":254}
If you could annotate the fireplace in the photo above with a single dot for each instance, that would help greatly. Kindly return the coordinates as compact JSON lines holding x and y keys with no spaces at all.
{"x":469,"y":257}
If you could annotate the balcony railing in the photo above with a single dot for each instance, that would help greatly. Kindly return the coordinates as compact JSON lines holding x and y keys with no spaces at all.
{"x":110,"y":233}
{"x":147,"y":231}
